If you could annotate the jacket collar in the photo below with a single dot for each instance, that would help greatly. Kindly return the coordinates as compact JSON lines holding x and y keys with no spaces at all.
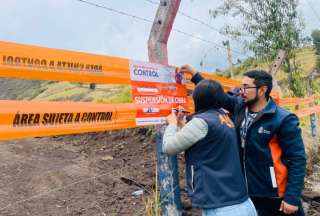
{"x":270,"y":107}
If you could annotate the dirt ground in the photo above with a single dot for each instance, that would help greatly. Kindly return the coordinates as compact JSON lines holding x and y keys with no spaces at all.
{"x":90,"y":174}
{"x":311,"y":194}
{"x":75,"y":175}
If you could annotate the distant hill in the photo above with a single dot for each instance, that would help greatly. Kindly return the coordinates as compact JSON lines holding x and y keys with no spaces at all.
{"x":306,"y":58}
{"x":19,"y":89}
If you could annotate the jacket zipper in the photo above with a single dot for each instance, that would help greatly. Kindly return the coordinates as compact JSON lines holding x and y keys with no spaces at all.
{"x":244,"y":166}
{"x":244,"y":150}
{"x":192,"y":178}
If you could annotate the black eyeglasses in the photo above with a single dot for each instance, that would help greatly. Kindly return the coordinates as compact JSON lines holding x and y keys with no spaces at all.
{"x":244,"y":89}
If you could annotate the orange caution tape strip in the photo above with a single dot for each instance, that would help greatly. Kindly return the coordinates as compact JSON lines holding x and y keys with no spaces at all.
{"x":307,"y":111}
{"x":226,"y":83}
{"x":39,"y":63}
{"x":296,"y":101}
{"x":22,"y":119}
{"x":32,"y":62}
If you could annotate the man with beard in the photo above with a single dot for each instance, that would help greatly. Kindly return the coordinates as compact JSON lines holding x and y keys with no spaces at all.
{"x":271,"y":147}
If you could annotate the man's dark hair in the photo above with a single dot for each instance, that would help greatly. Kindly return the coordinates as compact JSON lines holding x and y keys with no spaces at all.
{"x":208,"y":94}
{"x":261,"y":78}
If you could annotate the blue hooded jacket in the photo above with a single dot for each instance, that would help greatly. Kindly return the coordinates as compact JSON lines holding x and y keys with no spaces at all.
{"x":273,"y":158}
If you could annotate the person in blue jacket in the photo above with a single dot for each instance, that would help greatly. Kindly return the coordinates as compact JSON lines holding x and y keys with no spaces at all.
{"x":271,"y":147}
{"x":214,"y":179}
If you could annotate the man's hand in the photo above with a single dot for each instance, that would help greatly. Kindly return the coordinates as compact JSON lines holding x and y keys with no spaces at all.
{"x":172,"y":118}
{"x":287,"y":208}
{"x":187,"y":69}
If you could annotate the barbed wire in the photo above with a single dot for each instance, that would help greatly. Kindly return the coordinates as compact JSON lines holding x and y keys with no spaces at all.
{"x":150,"y":21}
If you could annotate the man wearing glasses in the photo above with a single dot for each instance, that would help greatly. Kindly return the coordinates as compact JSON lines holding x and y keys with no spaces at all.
{"x":271,"y":147}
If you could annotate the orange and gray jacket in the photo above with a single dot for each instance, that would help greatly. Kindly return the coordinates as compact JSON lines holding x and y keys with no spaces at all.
{"x":273,"y":155}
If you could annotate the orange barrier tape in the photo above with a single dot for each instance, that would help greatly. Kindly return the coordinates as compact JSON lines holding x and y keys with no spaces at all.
{"x":307,"y":111}
{"x":39,"y":63}
{"x":226,"y":83}
{"x":32,"y":62}
{"x":21,"y":119}
{"x":295,"y":101}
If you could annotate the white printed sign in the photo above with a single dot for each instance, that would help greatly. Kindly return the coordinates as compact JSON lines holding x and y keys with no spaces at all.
{"x":156,"y":89}
{"x":150,"y":72}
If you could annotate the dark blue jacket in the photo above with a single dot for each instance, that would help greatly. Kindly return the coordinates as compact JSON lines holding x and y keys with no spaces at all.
{"x":273,"y":159}
{"x":214,"y":177}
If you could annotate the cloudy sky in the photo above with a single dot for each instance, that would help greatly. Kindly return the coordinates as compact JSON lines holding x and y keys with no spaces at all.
{"x":72,"y":25}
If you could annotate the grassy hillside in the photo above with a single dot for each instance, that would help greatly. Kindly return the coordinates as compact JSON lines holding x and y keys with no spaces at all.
{"x":306,"y":58}
{"x":12,"y":89}
{"x":62,"y":91}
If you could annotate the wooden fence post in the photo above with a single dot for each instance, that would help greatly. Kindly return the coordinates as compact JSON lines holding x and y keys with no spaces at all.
{"x":167,"y":165}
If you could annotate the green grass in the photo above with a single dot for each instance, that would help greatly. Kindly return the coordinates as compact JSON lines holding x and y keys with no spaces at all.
{"x":123,"y":96}
{"x":66,"y":91}
{"x":306,"y":58}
